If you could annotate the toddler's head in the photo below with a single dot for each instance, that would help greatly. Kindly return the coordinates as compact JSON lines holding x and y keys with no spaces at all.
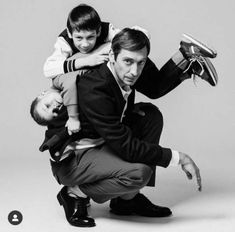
{"x":46,"y":106}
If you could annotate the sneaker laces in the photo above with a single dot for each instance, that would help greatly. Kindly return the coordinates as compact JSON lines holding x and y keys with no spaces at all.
{"x":199,"y":60}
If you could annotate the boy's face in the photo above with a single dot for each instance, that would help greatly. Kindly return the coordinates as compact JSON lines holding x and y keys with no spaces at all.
{"x":85,"y":40}
{"x":129,"y":65}
{"x":49,"y":104}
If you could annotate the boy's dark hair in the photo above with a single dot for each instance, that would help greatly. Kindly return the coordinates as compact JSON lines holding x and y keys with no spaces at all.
{"x":35,"y":115}
{"x":83,"y":17}
{"x":131,"y":40}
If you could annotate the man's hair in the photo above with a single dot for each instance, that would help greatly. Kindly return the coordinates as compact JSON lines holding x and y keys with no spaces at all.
{"x":131,"y":40}
{"x":35,"y":115}
{"x":83,"y":17}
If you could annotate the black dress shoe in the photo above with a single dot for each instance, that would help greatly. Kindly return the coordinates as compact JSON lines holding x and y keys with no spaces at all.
{"x":139,"y":205}
{"x":75,"y":209}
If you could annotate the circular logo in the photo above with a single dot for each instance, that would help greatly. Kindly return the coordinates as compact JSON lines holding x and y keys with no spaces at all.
{"x":15,"y":217}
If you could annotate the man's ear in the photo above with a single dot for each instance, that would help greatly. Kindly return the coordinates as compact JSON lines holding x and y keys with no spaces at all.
{"x":111,"y":56}
{"x":69,"y":34}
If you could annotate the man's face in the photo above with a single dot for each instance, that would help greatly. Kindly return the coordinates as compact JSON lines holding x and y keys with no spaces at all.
{"x":50,"y":102}
{"x":128,"y":65}
{"x":85,"y":40}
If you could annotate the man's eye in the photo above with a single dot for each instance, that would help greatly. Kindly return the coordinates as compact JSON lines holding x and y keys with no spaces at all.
{"x":128,"y":62}
{"x":142,"y":62}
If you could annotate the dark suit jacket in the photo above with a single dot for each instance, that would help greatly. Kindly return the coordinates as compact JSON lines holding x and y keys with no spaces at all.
{"x":101,"y":105}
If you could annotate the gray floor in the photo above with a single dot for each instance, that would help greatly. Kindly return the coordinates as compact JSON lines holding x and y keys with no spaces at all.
{"x":32,"y":191}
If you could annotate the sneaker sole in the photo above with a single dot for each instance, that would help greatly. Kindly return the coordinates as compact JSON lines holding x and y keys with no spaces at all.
{"x":213,"y":73}
{"x":209,"y":50}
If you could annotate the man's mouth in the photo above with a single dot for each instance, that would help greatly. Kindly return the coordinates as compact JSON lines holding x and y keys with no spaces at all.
{"x":128,"y":79}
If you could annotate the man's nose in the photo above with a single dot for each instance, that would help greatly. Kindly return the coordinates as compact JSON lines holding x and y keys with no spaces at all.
{"x":134,"y":69}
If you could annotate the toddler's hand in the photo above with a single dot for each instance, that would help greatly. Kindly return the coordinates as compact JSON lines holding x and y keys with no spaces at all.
{"x":73,"y":125}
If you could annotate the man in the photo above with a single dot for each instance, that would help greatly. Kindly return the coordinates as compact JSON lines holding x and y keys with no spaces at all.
{"x":120,"y":139}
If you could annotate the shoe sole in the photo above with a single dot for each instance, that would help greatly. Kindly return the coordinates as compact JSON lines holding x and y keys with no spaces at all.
{"x":119,"y":213}
{"x":209,"y":67}
{"x":209,"y":50}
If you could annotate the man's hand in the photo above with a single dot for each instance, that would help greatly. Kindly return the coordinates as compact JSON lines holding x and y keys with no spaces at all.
{"x":73,"y":125}
{"x":190,"y":168}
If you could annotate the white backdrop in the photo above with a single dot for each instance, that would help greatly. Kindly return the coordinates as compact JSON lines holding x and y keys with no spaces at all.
{"x":199,"y":119}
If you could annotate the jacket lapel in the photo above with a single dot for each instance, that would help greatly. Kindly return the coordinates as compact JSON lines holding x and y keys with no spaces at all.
{"x":114,"y":87}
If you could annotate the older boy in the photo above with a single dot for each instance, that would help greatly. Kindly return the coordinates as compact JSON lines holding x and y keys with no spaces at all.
{"x":84,"y":44}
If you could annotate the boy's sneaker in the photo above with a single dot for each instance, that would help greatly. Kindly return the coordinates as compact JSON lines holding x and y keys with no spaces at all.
{"x":203,"y":68}
{"x":191,"y":48}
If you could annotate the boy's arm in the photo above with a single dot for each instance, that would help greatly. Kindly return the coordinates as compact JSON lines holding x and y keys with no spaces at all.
{"x":55,"y":64}
{"x":96,"y":57}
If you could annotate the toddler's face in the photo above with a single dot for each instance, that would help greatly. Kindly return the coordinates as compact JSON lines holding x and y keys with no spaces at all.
{"x":85,"y":40}
{"x":50,"y":102}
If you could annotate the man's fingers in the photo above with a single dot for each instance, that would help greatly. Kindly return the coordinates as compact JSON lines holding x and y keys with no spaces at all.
{"x":191,"y":169}
{"x":199,"y":184}
{"x":199,"y":180}
{"x":189,"y":175}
